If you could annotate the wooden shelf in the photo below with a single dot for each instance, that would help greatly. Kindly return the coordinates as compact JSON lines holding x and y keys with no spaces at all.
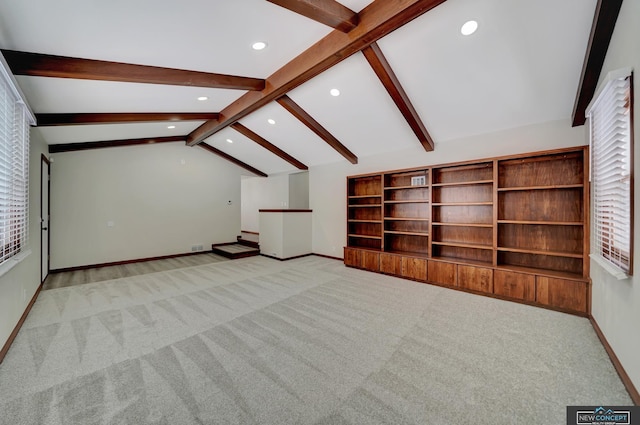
{"x":370,"y":249}
{"x":539,"y":271}
{"x":469,"y":183}
{"x":543,"y":205}
{"x":461,"y":204}
{"x":422,"y":186}
{"x":364,"y":221}
{"x":547,"y":170}
{"x":408,"y":201}
{"x":462,"y":245}
{"x":366,"y":206}
{"x":545,"y":223}
{"x":397,"y":232}
{"x":406,"y":218}
{"x":462,"y":261}
{"x":463,"y":174}
{"x":406,"y":253}
{"x":541,"y":252}
{"x":462,"y":224}
{"x":352,"y":235}
{"x":551,"y":187}
{"x":364,"y":186}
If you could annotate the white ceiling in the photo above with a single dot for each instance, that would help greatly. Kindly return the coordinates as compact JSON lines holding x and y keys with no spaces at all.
{"x":521,"y":67}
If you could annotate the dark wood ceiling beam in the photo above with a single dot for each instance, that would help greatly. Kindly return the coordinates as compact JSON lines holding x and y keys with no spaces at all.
{"x":46,"y":120}
{"x":376,"y":20}
{"x":72,"y":147}
{"x":287,"y":103}
{"x":41,"y":65}
{"x":268,"y":146}
{"x":604,"y":22}
{"x":232,"y":159}
{"x":385,"y":73}
{"x":328,"y":12}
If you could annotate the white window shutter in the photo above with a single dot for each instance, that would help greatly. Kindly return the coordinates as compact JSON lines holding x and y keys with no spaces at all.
{"x":611,"y":175}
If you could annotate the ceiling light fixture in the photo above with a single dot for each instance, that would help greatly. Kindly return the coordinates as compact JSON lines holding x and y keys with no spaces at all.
{"x":258,"y":45}
{"x":171,"y":126}
{"x":334,"y":92}
{"x":229,"y":141}
{"x":271,"y":121}
{"x":469,"y":27}
{"x":203,"y":98}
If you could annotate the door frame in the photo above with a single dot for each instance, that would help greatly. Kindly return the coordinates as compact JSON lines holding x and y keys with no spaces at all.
{"x":45,"y":224}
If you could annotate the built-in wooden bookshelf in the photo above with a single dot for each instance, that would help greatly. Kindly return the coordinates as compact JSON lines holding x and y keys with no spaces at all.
{"x":541,"y":212}
{"x":406,"y":211}
{"x":463,"y":212}
{"x":512,"y":227}
{"x":364,"y":215}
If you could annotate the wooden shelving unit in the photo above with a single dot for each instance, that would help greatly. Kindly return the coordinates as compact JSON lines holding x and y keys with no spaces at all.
{"x":463,"y":212}
{"x":406,"y":211}
{"x":541,"y":212}
{"x":512,"y":227}
{"x":364,"y":212}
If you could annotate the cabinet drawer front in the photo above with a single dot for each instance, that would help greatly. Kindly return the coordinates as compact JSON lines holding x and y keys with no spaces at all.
{"x":562,"y":293}
{"x":414,"y":268}
{"x":475,"y":278}
{"x":514,"y":285}
{"x":391,"y":264}
{"x":443,"y":273}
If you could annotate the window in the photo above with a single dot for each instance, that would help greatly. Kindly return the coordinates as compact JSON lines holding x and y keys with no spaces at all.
{"x":611,"y":138}
{"x":15,"y":118}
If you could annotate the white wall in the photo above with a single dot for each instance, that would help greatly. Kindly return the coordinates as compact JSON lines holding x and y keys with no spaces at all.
{"x":19,"y":284}
{"x":285,"y":234}
{"x":162,"y":200}
{"x":616,"y":304}
{"x":262,"y":193}
{"x":327,"y":183}
{"x":299,"y":190}
{"x":278,"y":191}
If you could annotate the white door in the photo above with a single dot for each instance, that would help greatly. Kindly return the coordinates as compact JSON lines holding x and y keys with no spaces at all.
{"x":44,"y":218}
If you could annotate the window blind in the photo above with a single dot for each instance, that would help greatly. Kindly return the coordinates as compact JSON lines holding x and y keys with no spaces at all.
{"x":14,"y":171}
{"x":611,"y":175}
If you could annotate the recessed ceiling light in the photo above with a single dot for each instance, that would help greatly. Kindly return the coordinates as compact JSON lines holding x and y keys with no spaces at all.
{"x":171,"y":126}
{"x":259,"y":45}
{"x":229,"y":141}
{"x":469,"y":27}
{"x":334,"y":92}
{"x":203,"y":98}
{"x":271,"y":121}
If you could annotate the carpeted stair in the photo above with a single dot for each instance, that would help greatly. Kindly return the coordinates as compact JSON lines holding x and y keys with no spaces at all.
{"x":246,"y":246}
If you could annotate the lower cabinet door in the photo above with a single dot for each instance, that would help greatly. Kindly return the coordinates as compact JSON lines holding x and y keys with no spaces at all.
{"x":442,"y":273}
{"x":371,"y":261}
{"x":475,"y":278}
{"x":414,"y":268}
{"x":514,"y":285}
{"x":352,"y":257}
{"x":562,"y":293}
{"x":391,"y":264}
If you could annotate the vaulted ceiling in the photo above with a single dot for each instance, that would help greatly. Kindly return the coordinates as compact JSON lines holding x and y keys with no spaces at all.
{"x":101,"y":74}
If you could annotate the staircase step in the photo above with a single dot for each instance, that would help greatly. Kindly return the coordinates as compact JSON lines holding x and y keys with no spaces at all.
{"x":249,"y":239}
{"x":246,"y":242}
{"x":234,"y":250}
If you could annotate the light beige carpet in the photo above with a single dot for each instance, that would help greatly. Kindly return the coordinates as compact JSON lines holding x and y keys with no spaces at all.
{"x":306,"y":341}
